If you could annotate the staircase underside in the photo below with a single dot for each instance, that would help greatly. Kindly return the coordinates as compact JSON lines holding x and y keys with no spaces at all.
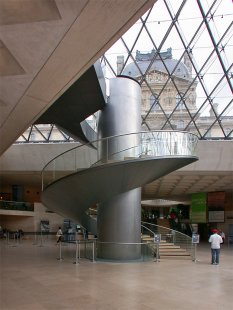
{"x":72,"y":195}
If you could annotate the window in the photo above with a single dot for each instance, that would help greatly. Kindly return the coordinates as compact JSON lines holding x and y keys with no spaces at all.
{"x":180,"y":101}
{"x":154,"y":103}
{"x":180,"y":124}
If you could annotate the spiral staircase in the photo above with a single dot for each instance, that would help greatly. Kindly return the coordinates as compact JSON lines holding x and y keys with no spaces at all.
{"x":101,"y":169}
{"x":76,"y":180}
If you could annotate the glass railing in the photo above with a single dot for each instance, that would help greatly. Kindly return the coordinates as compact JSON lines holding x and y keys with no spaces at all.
{"x":125,"y":252}
{"x":120,"y":148}
{"x":15,"y":205}
{"x":167,"y":235}
{"x":79,"y":250}
{"x":143,"y":251}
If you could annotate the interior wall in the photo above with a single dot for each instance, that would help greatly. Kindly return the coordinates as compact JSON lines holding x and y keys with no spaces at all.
{"x":14,"y":222}
{"x":31,"y":223}
{"x":32,"y":194}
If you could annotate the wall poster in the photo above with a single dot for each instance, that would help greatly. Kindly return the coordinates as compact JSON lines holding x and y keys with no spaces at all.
{"x":198,"y":212}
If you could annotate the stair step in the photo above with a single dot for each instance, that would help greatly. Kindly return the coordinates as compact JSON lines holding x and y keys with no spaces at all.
{"x":181,"y":252}
{"x":172,"y":250}
{"x":167,"y":250}
{"x":175,"y":257}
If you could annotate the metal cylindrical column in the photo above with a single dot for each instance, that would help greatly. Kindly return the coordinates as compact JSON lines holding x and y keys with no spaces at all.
{"x":119,"y":219}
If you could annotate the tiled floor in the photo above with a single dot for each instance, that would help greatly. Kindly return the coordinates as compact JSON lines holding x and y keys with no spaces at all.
{"x":32,"y":278}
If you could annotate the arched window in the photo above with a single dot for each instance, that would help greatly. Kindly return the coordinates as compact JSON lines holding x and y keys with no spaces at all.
{"x":154,"y":103}
{"x":180,"y":100}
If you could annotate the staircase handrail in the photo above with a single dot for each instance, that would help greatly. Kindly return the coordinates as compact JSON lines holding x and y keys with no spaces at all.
{"x":145,"y":143}
{"x":176,"y":237}
{"x":153,"y":233}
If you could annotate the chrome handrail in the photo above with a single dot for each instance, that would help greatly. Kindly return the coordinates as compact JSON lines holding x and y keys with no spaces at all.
{"x":148,"y":229}
{"x":174,"y":236}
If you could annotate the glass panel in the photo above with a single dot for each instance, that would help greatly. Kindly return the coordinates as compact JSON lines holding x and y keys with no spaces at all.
{"x":120,"y":148}
{"x":169,"y":80}
{"x":184,"y":50}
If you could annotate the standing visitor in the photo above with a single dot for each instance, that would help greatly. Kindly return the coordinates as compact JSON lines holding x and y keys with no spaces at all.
{"x":221,"y":233}
{"x":215,"y":241}
{"x":59,"y":235}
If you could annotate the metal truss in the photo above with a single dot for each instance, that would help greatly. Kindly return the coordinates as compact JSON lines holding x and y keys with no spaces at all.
{"x":220,"y":122}
{"x":44,"y":134}
{"x":211,"y":73}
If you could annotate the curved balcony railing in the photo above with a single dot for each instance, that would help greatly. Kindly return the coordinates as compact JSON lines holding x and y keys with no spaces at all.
{"x":129,"y":147}
{"x":16,"y":205}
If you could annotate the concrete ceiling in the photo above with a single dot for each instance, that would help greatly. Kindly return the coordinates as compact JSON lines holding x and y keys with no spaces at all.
{"x":176,"y":186}
{"x":46,"y":45}
{"x":179,"y":185}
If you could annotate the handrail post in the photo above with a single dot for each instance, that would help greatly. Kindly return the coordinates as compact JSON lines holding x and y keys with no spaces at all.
{"x":35,"y":238}
{"x":107,"y":151}
{"x":15,"y":243}
{"x":60,"y":255}
{"x":79,"y":250}
{"x":194,"y":252}
{"x":157,"y":253}
{"x":93,"y":251}
{"x":7,"y":238}
{"x":41,"y":239}
{"x":157,"y":239}
{"x":76,"y":253}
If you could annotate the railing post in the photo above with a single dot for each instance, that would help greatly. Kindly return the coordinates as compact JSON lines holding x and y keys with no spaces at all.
{"x":8,"y":238}
{"x":42,"y":180}
{"x":157,"y":253}
{"x":85,"y":248}
{"x":195,"y":253}
{"x":35,"y":238}
{"x":157,"y":239}
{"x":15,"y":243}
{"x":41,"y":239}
{"x":76,"y":253}
{"x":93,"y":251}
{"x":107,"y":149}
{"x":60,"y":255}
{"x":79,"y":250}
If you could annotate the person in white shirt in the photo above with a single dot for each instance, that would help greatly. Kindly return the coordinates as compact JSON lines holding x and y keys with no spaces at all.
{"x":59,"y":235}
{"x":221,"y":233}
{"x":215,"y":241}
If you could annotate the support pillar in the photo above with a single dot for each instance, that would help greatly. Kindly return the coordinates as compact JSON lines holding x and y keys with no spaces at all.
{"x":119,"y":219}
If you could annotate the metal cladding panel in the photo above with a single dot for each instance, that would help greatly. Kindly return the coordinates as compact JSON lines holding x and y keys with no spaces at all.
{"x":122,"y":113}
{"x":120,"y":116}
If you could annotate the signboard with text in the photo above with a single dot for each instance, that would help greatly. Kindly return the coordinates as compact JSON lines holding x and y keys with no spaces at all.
{"x":216,"y":216}
{"x":199,"y":208}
